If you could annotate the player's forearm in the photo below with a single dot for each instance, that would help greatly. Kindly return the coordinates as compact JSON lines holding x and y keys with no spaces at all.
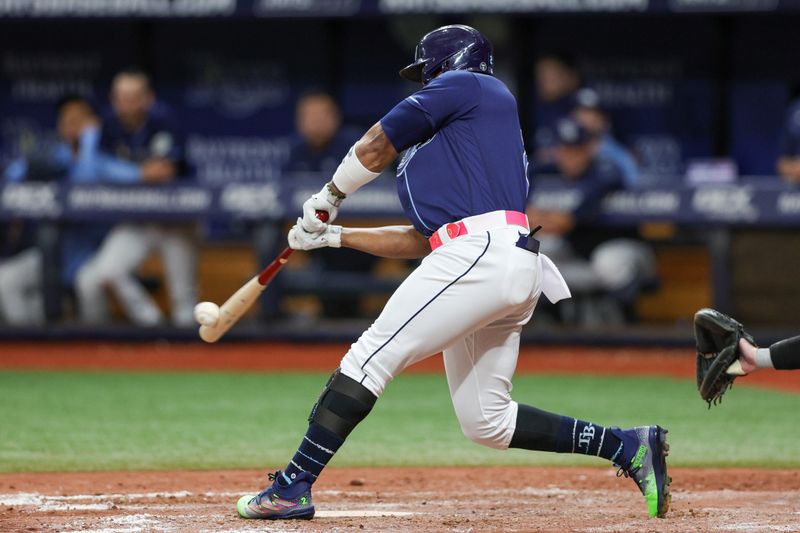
{"x":394,"y":242}
{"x":785,"y":354}
{"x":789,"y":168}
{"x":158,"y":170}
{"x":363,"y":163}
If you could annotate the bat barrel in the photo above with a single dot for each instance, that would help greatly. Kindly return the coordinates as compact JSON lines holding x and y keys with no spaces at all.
{"x":232,"y":310}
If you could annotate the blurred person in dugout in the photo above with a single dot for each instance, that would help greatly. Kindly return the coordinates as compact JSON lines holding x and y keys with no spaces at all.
{"x":140,"y":130}
{"x":589,"y":114}
{"x":605,"y":268}
{"x":320,"y":143}
{"x":557,"y":82}
{"x":788,"y":164}
{"x":74,"y":157}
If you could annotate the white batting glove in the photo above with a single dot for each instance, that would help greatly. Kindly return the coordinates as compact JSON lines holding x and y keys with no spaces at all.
{"x":300,"y":239}
{"x":325,"y":201}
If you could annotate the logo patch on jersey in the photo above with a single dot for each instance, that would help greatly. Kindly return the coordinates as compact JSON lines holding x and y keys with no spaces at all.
{"x":453,"y":230}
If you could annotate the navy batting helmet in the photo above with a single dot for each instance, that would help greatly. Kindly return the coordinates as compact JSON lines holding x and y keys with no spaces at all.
{"x":455,"y":47}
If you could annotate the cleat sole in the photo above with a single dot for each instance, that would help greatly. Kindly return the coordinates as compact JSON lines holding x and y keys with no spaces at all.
{"x":663,"y":506}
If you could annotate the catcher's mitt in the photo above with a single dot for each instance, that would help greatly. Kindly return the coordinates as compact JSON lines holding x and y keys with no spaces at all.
{"x":717,"y":339}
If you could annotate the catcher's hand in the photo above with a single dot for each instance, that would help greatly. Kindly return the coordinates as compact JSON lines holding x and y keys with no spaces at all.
{"x":717,"y":338}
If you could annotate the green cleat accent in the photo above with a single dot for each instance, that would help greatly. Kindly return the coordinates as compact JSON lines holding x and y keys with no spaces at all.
{"x":651,"y":494}
{"x":241,"y":505}
{"x":648,"y":467}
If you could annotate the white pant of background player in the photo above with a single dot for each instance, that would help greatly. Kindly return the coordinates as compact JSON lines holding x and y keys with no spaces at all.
{"x":469,"y":298}
{"x":114,"y":267}
{"x":21,"y":299}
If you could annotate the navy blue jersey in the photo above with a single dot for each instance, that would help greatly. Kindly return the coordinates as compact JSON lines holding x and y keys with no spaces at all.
{"x":302,"y":158}
{"x":465,"y":153}
{"x":159,"y":137}
{"x":603,"y":175}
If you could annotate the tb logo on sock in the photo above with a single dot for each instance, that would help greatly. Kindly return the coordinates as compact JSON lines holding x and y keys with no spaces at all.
{"x":586,"y":436}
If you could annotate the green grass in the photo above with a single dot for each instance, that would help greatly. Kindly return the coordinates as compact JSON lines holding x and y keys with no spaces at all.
{"x":97,"y":421}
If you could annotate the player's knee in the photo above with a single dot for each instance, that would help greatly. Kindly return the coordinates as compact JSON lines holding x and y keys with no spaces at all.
{"x":94,"y":276}
{"x":489,"y":429}
{"x":86,"y":280}
{"x":374,"y":380}
{"x":485,"y":433}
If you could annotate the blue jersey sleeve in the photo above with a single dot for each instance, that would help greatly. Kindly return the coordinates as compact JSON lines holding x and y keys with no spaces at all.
{"x":16,"y":170}
{"x":445,"y":99}
{"x":93,"y":166}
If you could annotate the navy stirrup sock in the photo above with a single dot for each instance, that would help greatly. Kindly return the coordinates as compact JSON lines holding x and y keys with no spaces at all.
{"x":539,"y":430}
{"x":315,"y":450}
{"x":579,"y":436}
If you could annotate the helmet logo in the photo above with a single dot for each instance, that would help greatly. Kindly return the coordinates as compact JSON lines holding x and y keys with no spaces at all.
{"x":483,"y":66}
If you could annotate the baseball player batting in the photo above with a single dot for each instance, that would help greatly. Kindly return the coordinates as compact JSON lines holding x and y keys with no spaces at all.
{"x":463,"y":184}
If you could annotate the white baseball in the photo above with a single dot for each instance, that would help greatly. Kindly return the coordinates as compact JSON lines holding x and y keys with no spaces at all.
{"x":206,"y":313}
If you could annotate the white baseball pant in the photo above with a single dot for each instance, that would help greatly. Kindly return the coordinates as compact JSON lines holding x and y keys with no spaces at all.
{"x":114,"y":266}
{"x":470,"y":299}
{"x":21,"y":299}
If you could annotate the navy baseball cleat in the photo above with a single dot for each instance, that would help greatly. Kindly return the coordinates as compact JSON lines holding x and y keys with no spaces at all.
{"x":644,"y":459}
{"x":281,"y":500}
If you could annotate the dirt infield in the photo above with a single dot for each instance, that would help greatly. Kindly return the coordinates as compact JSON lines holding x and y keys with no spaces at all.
{"x":263,"y":357}
{"x":404,"y":499}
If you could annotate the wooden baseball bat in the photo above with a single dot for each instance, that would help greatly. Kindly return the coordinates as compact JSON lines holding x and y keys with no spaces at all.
{"x":237,"y":305}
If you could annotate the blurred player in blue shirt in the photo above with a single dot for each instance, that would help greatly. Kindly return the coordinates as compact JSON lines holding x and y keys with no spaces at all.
{"x":592,"y":258}
{"x":141,"y":131}
{"x":77,"y":159}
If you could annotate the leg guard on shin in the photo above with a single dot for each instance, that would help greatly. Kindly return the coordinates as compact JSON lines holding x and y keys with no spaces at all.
{"x":344,"y":403}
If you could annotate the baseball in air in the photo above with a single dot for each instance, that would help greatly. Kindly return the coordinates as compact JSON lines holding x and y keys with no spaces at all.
{"x":206,"y":313}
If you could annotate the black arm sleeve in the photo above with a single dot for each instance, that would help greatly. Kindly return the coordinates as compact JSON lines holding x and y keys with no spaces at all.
{"x":786,"y":354}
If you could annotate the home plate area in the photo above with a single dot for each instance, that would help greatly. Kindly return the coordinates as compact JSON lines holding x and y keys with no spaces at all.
{"x":404,"y":499}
